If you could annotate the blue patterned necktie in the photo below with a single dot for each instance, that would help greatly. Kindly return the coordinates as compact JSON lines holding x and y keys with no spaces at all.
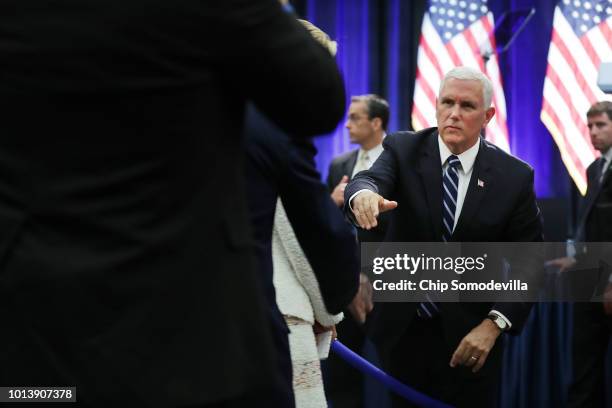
{"x":450,"y":188}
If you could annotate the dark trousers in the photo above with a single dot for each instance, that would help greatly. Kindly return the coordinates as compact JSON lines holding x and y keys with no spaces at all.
{"x":259,"y":398}
{"x":421,"y":360}
{"x":591,"y":334}
{"x":344,"y":385}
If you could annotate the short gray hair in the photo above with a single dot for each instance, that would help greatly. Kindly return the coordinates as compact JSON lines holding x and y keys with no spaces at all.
{"x":472,"y":74}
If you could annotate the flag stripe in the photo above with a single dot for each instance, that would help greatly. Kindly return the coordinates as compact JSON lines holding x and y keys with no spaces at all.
{"x":431,"y":95}
{"x":452,"y":53}
{"x":578,"y":45}
{"x":457,"y":37}
{"x":573,"y":65}
{"x":471,"y":41}
{"x":606,"y":30}
{"x":424,"y":46}
{"x":418,"y":120}
{"x":586,"y":43}
{"x":577,"y":118}
{"x":568,"y":154}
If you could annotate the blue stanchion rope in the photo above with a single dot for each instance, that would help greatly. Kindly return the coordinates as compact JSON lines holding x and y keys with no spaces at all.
{"x":388,"y":381}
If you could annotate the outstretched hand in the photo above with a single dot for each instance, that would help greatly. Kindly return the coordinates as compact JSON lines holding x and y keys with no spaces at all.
{"x":366,"y":207}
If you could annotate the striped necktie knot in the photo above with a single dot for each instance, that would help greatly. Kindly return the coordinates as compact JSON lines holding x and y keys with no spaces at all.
{"x":453,"y":161}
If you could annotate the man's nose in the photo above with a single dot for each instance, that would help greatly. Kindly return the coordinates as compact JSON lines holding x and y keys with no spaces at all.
{"x":454,"y":111}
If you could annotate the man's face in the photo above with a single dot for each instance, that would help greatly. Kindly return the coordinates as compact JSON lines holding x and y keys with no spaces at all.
{"x":461,"y":113}
{"x":361,"y":128}
{"x":600,"y":129}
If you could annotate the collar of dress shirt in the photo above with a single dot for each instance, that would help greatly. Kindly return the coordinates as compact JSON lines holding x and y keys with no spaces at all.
{"x":466,"y":158}
{"x":373,"y":153}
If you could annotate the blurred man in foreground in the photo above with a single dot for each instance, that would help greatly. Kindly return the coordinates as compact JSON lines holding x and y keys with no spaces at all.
{"x":127,"y":267}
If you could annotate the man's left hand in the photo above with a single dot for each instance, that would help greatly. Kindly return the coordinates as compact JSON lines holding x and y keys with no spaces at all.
{"x":607,"y":300}
{"x":475,"y":347}
{"x":362,"y":302}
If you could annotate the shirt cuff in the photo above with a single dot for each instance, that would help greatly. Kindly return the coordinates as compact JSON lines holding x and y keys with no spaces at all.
{"x":355,"y":195}
{"x":501,"y":316}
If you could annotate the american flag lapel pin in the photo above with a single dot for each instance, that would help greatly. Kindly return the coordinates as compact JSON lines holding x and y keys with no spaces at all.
{"x":480,"y":183}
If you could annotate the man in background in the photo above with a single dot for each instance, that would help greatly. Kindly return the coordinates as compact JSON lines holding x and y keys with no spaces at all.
{"x":592,"y":320}
{"x":367,"y":121}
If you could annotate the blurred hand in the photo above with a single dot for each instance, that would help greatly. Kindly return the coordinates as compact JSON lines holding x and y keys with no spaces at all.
{"x":607,"y":302}
{"x":367,"y":205}
{"x":362,"y":302}
{"x":338,"y":194}
{"x":318,"y":328}
{"x":563,"y":264}
{"x":475,"y":347}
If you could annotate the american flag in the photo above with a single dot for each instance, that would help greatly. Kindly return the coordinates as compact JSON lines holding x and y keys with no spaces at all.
{"x":457,"y":33}
{"x":581,"y":41}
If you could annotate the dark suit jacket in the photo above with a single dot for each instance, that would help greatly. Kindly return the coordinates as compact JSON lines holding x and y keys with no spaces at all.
{"x":278,"y":166}
{"x":505,"y":210}
{"x":596,"y":209}
{"x":595,"y":225}
{"x":126,"y":258}
{"x":344,"y":165}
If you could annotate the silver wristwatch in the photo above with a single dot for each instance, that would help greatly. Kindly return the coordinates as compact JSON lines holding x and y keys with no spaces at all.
{"x":499,"y":322}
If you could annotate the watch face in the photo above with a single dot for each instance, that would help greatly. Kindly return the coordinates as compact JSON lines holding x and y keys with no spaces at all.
{"x":501,"y":323}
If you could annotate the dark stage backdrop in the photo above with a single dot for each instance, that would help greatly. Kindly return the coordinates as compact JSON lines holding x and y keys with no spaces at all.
{"x":377,"y":48}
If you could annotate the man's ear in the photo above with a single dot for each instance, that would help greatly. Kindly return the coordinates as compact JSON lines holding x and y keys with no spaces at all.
{"x":377,"y":123}
{"x":489,"y":113}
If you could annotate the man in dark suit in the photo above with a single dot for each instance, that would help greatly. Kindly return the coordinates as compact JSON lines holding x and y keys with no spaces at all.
{"x":127,"y":266}
{"x":593,"y":320}
{"x":448,"y":184}
{"x":367,"y":121}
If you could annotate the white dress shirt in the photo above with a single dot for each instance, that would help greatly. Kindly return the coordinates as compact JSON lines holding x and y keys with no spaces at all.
{"x":366,"y":158}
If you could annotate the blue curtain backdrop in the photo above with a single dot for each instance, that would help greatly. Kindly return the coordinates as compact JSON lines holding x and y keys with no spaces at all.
{"x":378,"y":43}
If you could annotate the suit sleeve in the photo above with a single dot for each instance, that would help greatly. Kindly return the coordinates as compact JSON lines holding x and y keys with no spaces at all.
{"x":380,"y":178}
{"x":524,"y":225}
{"x":327,"y":240}
{"x":275,"y":62}
{"x":331,"y":176}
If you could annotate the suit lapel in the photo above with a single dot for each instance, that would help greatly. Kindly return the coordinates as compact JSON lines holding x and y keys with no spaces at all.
{"x":349,"y":165}
{"x":430,"y":169}
{"x":606,"y":177}
{"x":594,"y":188}
{"x":480,"y":179}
